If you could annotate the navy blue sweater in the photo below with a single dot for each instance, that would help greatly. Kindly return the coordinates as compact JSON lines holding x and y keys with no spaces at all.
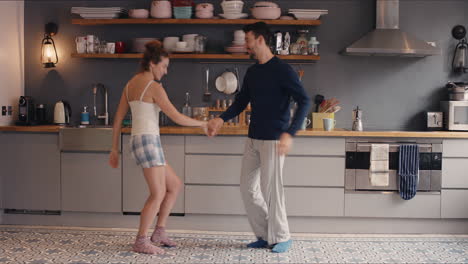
{"x":268,"y":87}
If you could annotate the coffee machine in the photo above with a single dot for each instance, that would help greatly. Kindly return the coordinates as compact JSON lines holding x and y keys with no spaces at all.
{"x":26,"y":111}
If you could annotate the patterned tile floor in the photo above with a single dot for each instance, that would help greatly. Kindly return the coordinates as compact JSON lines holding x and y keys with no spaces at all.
{"x":80,"y":245}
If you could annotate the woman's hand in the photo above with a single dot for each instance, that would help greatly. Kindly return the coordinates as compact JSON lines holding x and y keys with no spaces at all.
{"x":204,"y":125}
{"x":114,"y":159}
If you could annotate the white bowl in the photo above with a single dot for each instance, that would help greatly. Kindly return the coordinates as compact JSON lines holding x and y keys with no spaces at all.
{"x":266,"y":12}
{"x":138,"y":13}
{"x":181,"y":45}
{"x":265,"y":4}
{"x":169,"y":43}
{"x":138,"y":44}
{"x":204,"y":14}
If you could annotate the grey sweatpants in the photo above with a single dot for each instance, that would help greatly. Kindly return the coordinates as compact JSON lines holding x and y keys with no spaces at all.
{"x":261,"y":185}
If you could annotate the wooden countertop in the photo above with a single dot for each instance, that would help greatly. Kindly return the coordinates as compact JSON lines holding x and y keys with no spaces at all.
{"x":243,"y":131}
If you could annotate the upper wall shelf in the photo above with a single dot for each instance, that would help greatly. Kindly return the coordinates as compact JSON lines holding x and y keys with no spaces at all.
{"x":89,"y":22}
{"x":309,"y":58}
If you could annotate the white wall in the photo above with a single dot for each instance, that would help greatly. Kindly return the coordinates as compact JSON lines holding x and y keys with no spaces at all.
{"x":11,"y":56}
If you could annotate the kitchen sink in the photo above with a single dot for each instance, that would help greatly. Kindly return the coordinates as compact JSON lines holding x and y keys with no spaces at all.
{"x":93,"y":138}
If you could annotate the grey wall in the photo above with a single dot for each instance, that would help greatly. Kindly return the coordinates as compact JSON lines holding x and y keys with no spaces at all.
{"x":393,"y":92}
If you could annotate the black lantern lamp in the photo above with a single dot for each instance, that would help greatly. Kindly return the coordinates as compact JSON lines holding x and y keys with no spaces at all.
{"x":460,"y":60}
{"x":49,"y":53}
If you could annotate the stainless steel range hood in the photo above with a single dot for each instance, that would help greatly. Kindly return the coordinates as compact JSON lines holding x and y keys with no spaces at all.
{"x":387,"y":39}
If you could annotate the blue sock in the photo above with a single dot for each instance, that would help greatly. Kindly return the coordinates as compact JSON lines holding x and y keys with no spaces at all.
{"x":260,"y":243}
{"x":282,"y":246}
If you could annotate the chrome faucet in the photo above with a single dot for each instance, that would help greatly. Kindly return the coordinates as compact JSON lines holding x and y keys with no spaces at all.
{"x":104,"y":116}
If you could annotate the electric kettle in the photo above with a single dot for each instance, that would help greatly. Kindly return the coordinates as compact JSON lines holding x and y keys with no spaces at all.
{"x":62,"y":113}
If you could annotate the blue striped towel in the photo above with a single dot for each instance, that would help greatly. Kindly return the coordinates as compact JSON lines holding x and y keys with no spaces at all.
{"x":408,"y":170}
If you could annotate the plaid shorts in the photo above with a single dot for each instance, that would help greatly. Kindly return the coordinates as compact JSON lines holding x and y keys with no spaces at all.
{"x":147,"y":150}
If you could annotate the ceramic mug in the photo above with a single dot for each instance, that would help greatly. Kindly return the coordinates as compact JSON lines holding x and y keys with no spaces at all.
{"x":329,"y":124}
{"x":110,"y":47}
{"x":119,"y":47}
{"x":90,"y":41}
{"x":305,"y":123}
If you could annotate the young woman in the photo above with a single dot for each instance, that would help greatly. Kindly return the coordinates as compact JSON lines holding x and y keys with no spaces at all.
{"x":146,"y":97}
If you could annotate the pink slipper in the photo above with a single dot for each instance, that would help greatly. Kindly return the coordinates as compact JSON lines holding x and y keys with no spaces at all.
{"x":160,"y":236}
{"x":143,"y":245}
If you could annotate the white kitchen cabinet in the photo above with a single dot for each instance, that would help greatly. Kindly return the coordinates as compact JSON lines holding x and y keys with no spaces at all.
{"x":455,"y":148}
{"x":215,"y":145}
{"x":392,"y":205}
{"x":314,"y":171}
{"x":455,"y":173}
{"x":30,"y":167}
{"x":454,"y":203}
{"x":135,"y":189}
{"x":206,"y":199}
{"x":314,"y":201}
{"x":320,"y":146}
{"x":213,"y":169}
{"x":298,"y":171}
{"x":89,"y":184}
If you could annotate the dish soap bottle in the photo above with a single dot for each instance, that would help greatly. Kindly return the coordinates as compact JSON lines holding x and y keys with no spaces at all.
{"x":187,"y":109}
{"x":85,"y":116}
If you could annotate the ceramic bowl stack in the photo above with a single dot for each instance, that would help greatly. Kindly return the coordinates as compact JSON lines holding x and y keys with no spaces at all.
{"x":227,"y":83}
{"x":308,"y":14}
{"x":204,"y":10}
{"x":138,"y":44}
{"x":99,"y":12}
{"x":238,"y":45}
{"x":182,"y":9}
{"x":169,"y":43}
{"x":232,"y":9}
{"x":266,"y":10}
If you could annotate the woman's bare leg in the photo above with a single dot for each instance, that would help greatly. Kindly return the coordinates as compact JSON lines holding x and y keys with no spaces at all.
{"x":173,"y":186}
{"x":156,"y":180}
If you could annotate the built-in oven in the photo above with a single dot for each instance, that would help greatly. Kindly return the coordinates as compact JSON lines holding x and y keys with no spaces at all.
{"x":358,"y":155}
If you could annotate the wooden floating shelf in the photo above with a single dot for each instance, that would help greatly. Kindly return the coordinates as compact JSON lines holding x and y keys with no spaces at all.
{"x":89,"y":22}
{"x":191,"y":56}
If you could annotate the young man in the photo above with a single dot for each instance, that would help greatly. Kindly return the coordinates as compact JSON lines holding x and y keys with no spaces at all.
{"x":268,"y":86}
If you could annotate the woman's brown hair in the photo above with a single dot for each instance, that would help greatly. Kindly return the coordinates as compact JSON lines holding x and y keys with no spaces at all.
{"x":154,"y":52}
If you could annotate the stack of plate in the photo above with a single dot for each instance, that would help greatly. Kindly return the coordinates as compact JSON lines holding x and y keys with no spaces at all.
{"x":308,"y":14}
{"x":236,"y":49}
{"x":99,"y":12}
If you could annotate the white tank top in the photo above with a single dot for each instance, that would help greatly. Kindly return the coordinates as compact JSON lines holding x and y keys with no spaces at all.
{"x":145,"y":116}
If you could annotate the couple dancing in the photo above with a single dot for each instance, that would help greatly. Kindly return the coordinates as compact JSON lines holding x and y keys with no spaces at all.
{"x":268,"y":86}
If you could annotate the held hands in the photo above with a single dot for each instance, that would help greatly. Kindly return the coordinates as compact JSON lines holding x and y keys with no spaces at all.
{"x":204,"y":126}
{"x":214,"y":125}
{"x":285,"y":143}
{"x":114,"y":159}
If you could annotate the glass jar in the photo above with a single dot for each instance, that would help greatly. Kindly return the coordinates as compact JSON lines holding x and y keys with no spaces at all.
{"x":303,"y":42}
{"x":313,"y":46}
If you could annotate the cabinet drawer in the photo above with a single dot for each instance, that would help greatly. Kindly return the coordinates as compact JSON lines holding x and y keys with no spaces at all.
{"x":299,"y":201}
{"x":216,"y":145}
{"x":455,"y":148}
{"x":454,"y":173}
{"x":454,"y":204}
{"x":209,"y":169}
{"x":314,"y":201}
{"x":135,"y":189}
{"x":314,"y":171}
{"x":392,"y":205}
{"x":89,"y":184}
{"x":318,"y":146}
{"x":213,"y":200}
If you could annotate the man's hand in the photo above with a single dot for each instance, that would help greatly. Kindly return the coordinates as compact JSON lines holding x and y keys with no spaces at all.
{"x":214,"y":125}
{"x":114,"y":159}
{"x":285,"y":143}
